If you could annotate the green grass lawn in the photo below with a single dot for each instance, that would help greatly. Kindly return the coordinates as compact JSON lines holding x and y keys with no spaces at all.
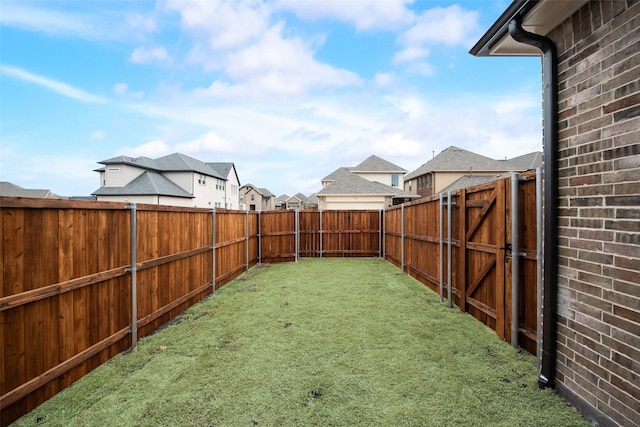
{"x":321,"y":342}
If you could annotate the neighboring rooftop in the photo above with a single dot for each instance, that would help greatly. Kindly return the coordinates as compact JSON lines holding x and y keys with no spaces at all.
{"x":12,"y":190}
{"x":147,"y":183}
{"x":176,"y":162}
{"x":347,"y":183}
{"x":455,"y":159}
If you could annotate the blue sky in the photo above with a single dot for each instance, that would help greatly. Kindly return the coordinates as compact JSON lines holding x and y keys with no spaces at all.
{"x":288,"y":90}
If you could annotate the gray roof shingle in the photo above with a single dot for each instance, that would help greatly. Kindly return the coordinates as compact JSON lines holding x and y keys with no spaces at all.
{"x":148,"y":183}
{"x":461,"y":160}
{"x":176,"y":162}
{"x":12,"y":190}
{"x":345,"y":182}
{"x":374,"y":163}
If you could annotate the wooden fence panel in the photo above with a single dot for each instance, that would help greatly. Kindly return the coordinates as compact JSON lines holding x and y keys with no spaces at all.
{"x":231,"y":245}
{"x":57,"y":303}
{"x":278,"y":236}
{"x":422,"y":241}
{"x":309,"y":237}
{"x":528,"y":319}
{"x":350,"y":233}
{"x":393,"y":235}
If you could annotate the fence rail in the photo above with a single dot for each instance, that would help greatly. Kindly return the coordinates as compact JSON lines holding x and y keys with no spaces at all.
{"x":68,"y":277}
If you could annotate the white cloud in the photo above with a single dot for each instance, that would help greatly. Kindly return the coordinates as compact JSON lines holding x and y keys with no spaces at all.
{"x":56,"y":86}
{"x":410,"y":54}
{"x":154,"y":148}
{"x":207,"y":143}
{"x":142,"y":55}
{"x":363,"y":14}
{"x":122,"y":89}
{"x":221,"y":24}
{"x":93,"y":25}
{"x":277,"y":67}
{"x":52,"y":22}
{"x":98,"y":134}
{"x":450,"y":26}
{"x":383,"y":79}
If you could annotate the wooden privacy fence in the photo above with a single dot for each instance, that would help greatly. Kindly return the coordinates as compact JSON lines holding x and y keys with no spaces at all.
{"x":70,"y":269}
{"x":75,"y":274}
{"x":462,"y":245}
{"x":68,"y":278}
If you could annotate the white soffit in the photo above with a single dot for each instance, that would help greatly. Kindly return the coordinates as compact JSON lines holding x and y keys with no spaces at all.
{"x":544,"y":17}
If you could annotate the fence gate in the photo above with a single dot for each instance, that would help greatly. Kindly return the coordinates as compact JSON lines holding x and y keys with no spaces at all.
{"x":482,"y":255}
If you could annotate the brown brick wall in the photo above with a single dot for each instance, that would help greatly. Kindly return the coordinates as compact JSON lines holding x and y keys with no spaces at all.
{"x":599,"y":179}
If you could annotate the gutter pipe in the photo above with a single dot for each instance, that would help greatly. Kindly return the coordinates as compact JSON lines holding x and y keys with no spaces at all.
{"x":550,"y":138}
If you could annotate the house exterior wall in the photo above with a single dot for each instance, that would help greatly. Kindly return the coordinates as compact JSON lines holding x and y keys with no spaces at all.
{"x":119,"y":175}
{"x":184,"y":180}
{"x":231,"y":197}
{"x":353,"y":202}
{"x":598,"y":354}
{"x":258,"y":203}
{"x":382,"y":177}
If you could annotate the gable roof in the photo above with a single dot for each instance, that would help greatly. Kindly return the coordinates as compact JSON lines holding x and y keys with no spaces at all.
{"x":176,"y":162}
{"x":147,"y":183}
{"x":262,"y":191}
{"x":348,"y":183}
{"x":374,"y":163}
{"x":12,"y":190}
{"x":301,"y":197}
{"x":455,"y":159}
{"x":223,"y":168}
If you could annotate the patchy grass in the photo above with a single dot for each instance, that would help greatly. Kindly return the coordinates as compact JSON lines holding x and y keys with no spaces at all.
{"x":340,"y":342}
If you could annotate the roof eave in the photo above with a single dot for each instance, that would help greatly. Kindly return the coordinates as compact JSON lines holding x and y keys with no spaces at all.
{"x":537,"y":16}
{"x":500,"y":28}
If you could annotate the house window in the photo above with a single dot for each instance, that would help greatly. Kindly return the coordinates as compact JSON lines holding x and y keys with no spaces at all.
{"x":202,"y":179}
{"x":253,"y":197}
{"x":394,"y":180}
{"x":241,"y":198}
{"x":219,"y":184}
{"x":410,"y":182}
{"x":113,"y":170}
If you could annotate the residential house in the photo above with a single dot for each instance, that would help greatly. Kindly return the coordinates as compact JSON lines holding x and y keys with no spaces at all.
{"x":297,"y":202}
{"x":256,"y":199}
{"x":312,"y":202}
{"x":464,"y":168}
{"x":591,"y":107}
{"x":373,"y":184}
{"x":175,"y":179}
{"x":12,"y":190}
{"x":281,"y":201}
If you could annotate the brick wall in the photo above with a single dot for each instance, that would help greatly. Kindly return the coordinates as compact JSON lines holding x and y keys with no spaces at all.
{"x":599,"y":188}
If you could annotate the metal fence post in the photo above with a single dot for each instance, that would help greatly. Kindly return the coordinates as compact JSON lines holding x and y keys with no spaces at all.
{"x":247,"y":241}
{"x":381,"y":234}
{"x":297,"y":234}
{"x":134,"y":276}
{"x":449,"y":245}
{"x":402,"y":237}
{"x":441,"y":247}
{"x":213,"y":249}
{"x":259,"y":238}
{"x":320,"y":234}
